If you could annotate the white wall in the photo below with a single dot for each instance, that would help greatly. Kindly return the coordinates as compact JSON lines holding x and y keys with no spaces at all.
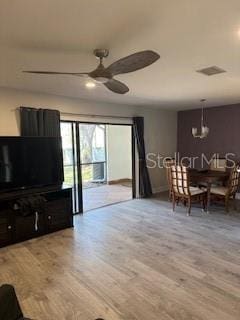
{"x":160,"y":125}
{"x":119,"y":152}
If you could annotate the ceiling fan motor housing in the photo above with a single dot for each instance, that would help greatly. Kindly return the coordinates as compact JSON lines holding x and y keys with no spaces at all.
{"x":101,"y":74}
{"x":101,"y":53}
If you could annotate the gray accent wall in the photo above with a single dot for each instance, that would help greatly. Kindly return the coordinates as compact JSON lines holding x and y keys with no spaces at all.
{"x":224,"y":136}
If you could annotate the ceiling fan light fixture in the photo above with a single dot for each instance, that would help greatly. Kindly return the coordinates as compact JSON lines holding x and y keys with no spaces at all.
{"x":101,"y":79}
{"x":90,"y":84}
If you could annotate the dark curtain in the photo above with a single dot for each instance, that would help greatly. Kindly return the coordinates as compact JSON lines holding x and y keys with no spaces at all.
{"x":145,"y":188}
{"x":39,"y":122}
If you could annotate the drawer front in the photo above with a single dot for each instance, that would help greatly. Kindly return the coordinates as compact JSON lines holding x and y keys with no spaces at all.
{"x":5,"y":230}
{"x":29,"y":227}
{"x":59,"y":214}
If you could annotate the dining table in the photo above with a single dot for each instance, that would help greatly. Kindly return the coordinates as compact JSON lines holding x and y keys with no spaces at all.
{"x":208,"y":178}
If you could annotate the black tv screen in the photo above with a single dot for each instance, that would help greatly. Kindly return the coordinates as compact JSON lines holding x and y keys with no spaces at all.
{"x":30,"y":162}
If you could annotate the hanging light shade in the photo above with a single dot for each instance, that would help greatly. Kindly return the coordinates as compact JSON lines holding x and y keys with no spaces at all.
{"x":204,"y":129}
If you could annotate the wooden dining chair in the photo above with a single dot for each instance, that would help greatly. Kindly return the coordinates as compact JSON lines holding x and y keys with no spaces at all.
{"x":229,"y":192}
{"x":167,"y":164}
{"x":181,"y":189}
{"x":218,"y":164}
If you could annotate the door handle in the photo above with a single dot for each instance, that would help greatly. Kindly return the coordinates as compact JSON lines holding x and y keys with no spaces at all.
{"x":36,"y":221}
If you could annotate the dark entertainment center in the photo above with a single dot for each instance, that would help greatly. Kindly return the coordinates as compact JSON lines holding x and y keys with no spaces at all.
{"x":33,"y":201}
{"x":55,"y":214}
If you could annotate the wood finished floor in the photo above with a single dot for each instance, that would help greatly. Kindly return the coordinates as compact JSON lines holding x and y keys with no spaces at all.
{"x":104,"y":195}
{"x":134,"y":260}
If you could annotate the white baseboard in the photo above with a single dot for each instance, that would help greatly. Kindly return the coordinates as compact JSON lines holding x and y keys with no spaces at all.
{"x":160,"y":189}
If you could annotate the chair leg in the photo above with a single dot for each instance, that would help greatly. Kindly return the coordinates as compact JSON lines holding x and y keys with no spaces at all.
{"x":234,"y":202}
{"x":173,"y":202}
{"x":203,"y":203}
{"x":227,"y":204}
{"x":189,"y":206}
{"x":177,"y":201}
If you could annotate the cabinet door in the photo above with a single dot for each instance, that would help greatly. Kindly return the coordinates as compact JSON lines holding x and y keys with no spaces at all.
{"x":59,"y":214}
{"x":5,"y":229}
{"x":29,"y":226}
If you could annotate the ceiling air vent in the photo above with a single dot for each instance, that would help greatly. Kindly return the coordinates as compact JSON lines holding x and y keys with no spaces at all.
{"x":211,"y":71}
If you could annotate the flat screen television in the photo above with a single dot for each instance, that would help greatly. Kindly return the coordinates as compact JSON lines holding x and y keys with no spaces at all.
{"x":27,"y":162}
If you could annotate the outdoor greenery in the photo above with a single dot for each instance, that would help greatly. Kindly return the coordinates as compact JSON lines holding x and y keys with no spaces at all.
{"x":86,"y":174}
{"x":92,"y":144}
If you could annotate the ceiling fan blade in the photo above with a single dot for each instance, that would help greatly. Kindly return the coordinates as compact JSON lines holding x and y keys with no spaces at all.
{"x":53,"y":72}
{"x":133,"y":62}
{"x":116,"y":86}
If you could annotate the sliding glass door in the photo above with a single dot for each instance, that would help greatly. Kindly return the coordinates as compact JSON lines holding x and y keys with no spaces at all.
{"x":98,"y":163}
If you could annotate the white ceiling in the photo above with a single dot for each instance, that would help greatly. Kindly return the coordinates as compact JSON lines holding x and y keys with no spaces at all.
{"x":60,"y":35}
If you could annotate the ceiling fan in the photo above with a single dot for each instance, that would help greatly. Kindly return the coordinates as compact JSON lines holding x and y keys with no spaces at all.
{"x":105,"y":76}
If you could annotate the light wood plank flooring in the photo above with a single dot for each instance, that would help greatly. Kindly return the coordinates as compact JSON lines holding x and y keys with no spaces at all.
{"x":105,"y":195}
{"x":134,"y":260}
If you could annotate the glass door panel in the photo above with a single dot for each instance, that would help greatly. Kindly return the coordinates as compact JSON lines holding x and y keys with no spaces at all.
{"x":93,"y":154}
{"x":71,"y":177}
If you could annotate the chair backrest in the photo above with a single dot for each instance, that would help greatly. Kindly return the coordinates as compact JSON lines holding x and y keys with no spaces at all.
{"x":180,"y":180}
{"x":218,"y":164}
{"x":167,"y":164}
{"x":233,"y":181}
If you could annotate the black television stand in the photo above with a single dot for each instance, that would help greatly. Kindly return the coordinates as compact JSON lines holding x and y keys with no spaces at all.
{"x":55,"y":214}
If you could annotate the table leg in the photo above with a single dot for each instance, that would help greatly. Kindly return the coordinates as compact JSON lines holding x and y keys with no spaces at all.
{"x":208,"y":196}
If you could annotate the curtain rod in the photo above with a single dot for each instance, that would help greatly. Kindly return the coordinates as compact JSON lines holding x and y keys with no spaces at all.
{"x":94,"y":115}
{"x":89,"y":115}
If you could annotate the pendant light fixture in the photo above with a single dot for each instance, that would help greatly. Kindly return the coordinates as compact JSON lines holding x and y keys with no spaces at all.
{"x":204,"y":129}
